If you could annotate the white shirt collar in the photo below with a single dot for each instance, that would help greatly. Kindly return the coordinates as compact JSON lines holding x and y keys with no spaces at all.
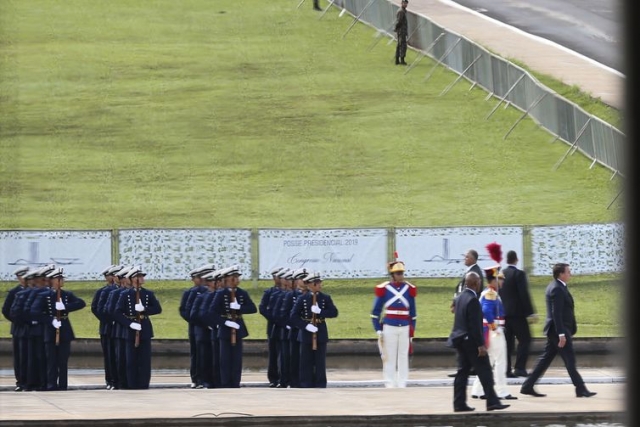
{"x":471,"y":266}
{"x":565,"y":285}
{"x":474,"y":292}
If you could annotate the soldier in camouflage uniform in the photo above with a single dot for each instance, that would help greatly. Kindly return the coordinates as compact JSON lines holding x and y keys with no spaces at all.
{"x":402,"y":30}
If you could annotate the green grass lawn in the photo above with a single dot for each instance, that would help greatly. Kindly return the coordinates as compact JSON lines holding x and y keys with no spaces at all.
{"x":256,"y":114}
{"x":597,"y":300}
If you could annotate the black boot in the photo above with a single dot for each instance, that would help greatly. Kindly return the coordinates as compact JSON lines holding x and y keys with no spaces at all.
{"x":402,"y":61}
{"x":397,"y":60}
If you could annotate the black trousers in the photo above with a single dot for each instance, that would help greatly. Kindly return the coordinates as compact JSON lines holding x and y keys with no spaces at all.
{"x":105,"y":343}
{"x":23,"y":361}
{"x":230,"y":363}
{"x":216,"y":381}
{"x":294,"y":361}
{"x":401,"y":47}
{"x":193,"y":367}
{"x":57,"y":364}
{"x":138,"y":364}
{"x":313,"y":366}
{"x":204,"y":361}
{"x":517,"y":328}
{"x":285,"y":363}
{"x":467,"y":358}
{"x":551,"y":350}
{"x":37,"y":367}
{"x":273,"y":375}
{"x":121,"y":363}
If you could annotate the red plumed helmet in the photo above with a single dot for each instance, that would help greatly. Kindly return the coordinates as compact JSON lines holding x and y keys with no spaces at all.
{"x":495,"y":251}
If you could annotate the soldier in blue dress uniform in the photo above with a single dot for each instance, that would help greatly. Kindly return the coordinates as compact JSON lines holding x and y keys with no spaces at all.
{"x":280,"y":330}
{"x":308,"y":315}
{"x":15,"y":336}
{"x":37,"y":368}
{"x":273,"y":341}
{"x":290,"y":332}
{"x":229,"y":305}
{"x":22,"y":322}
{"x":107,"y":306}
{"x":208,"y":317}
{"x":198,"y":349}
{"x":133,"y":309}
{"x":104,"y":328}
{"x":53,"y":313}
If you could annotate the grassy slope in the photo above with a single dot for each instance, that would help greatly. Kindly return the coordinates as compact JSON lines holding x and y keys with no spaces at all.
{"x":167,"y":114}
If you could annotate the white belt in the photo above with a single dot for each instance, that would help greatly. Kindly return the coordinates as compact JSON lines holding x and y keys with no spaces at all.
{"x":406,"y":312}
{"x":498,"y":321}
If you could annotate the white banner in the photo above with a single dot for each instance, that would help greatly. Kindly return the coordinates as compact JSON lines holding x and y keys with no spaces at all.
{"x":587,"y":248}
{"x":338,"y":253}
{"x":82,"y":254}
{"x":171,"y":254}
{"x":439,"y":252}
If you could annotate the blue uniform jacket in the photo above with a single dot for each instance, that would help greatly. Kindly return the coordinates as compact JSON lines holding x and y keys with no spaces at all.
{"x":109,"y":309}
{"x":398,"y":301}
{"x":222,"y":312}
{"x":6,"y":307}
{"x":301,"y":315}
{"x":284,"y":314}
{"x":44,"y":310}
{"x":125,"y":312}
{"x":104,"y":322}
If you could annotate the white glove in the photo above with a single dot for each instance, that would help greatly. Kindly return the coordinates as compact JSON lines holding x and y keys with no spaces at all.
{"x":59,"y":305}
{"x":139,"y":307}
{"x":233,"y":305}
{"x":56,"y":323}
{"x":135,"y":326}
{"x":288,"y":327}
{"x":311,"y":328}
{"x":210,"y":328}
{"x":379,"y":332}
{"x":232,"y":324}
{"x":315,"y":309}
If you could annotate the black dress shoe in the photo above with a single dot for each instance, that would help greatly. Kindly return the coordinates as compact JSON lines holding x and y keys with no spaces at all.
{"x":531,"y":392}
{"x":464,"y":409}
{"x":520,"y":373}
{"x":497,"y":407}
{"x":475,"y":396}
{"x":509,"y":397}
{"x":585,"y":393}
{"x":273,"y":385}
{"x":472,"y":373}
{"x":511,"y":375}
{"x":452,"y":375}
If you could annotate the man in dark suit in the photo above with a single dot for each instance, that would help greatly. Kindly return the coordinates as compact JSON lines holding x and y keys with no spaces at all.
{"x":471,"y":261}
{"x":560,"y":327}
{"x":519,"y":313}
{"x":468,"y":340}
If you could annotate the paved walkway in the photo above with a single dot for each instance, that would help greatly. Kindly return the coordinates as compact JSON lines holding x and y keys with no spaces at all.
{"x":538,"y":54}
{"x":350,"y":393}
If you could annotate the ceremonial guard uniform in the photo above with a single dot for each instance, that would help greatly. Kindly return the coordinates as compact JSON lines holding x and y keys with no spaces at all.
{"x":52,"y":308}
{"x":209,"y":319}
{"x":273,"y":342}
{"x":199,"y":342}
{"x":16,"y":335}
{"x":133,"y":309}
{"x":308,"y":316}
{"x":104,"y":328}
{"x":229,"y":305}
{"x":494,"y":340}
{"x":23,"y":327}
{"x":394,"y":320}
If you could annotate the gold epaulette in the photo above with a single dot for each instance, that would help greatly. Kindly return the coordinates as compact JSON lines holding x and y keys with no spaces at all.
{"x":382,"y":285}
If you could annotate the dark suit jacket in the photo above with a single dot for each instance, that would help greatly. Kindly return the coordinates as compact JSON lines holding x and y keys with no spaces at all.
{"x":467,"y":320}
{"x":461,"y":286}
{"x":515,"y":293}
{"x":560,"y":315}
